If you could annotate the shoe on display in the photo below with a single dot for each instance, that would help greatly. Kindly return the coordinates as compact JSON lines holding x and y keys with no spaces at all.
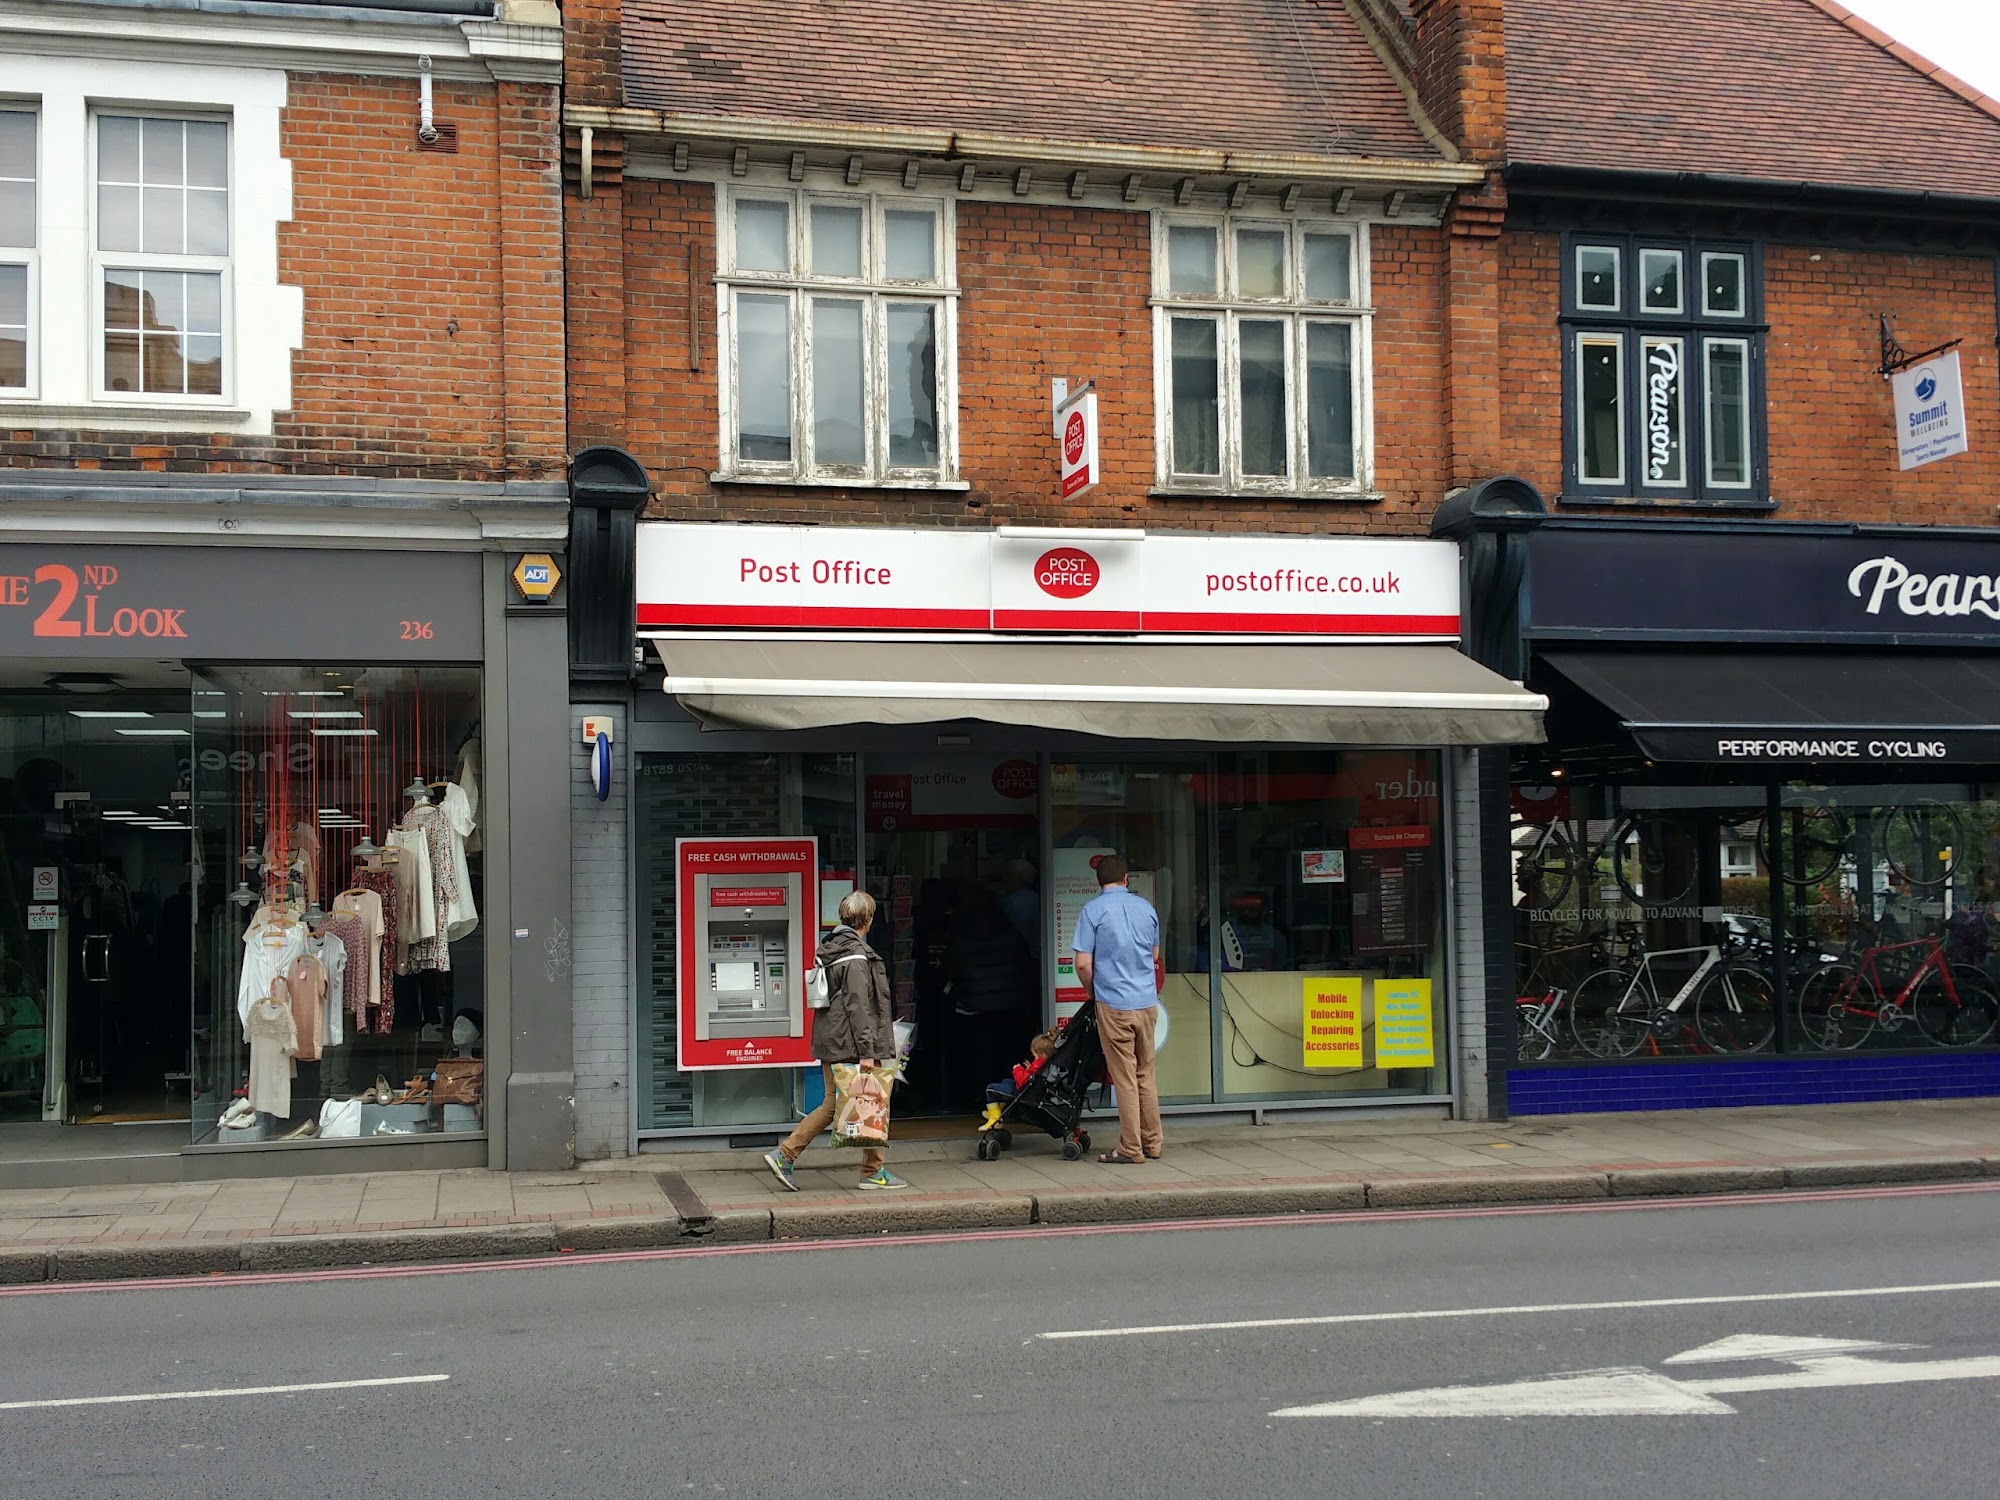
{"x":300,"y":1132}
{"x":781,"y":1169}
{"x":882,"y":1180}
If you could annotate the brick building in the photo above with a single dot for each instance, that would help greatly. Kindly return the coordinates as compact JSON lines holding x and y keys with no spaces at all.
{"x":1746,"y":325}
{"x":281,"y":374}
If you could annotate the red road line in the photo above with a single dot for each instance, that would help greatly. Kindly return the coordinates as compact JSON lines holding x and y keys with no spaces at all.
{"x":976,"y":1236}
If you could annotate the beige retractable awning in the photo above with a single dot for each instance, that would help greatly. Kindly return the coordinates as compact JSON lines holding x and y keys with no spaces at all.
{"x":1211,"y":694}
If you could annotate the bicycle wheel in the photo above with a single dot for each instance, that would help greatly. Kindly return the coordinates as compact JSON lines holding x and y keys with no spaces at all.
{"x":1548,"y":868}
{"x":1836,"y":1008}
{"x":1535,"y":1028}
{"x":1810,"y":844}
{"x":1608,"y":1014}
{"x":1964,"y":1022}
{"x":1654,"y":857}
{"x":1922,"y":841}
{"x":1735,"y":1010}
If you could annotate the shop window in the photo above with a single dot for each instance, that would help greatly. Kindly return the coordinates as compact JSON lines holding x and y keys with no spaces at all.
{"x":1155,"y":814}
{"x":1262,"y":333}
{"x":840,"y":322}
{"x":1330,"y":884}
{"x":1655,"y":920}
{"x":19,"y":236}
{"x":338,"y":880}
{"x":1662,"y":372}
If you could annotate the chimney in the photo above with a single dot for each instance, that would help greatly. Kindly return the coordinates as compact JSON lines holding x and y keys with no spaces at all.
{"x":1461,"y":72}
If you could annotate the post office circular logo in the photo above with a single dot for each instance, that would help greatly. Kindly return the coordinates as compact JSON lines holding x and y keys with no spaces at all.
{"x":1015,"y":778}
{"x":1073,"y":438}
{"x":1067,"y":573}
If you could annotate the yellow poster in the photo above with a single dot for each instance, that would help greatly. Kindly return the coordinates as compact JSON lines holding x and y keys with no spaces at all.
{"x":1403,"y":1031}
{"x":1333,"y":1023}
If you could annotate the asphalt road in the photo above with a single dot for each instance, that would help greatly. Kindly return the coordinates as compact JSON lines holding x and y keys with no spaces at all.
{"x":923,"y":1369}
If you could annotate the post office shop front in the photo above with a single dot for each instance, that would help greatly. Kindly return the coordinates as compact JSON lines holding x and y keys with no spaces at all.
{"x":1758,"y":858}
{"x":256,"y":813}
{"x":961,"y":722}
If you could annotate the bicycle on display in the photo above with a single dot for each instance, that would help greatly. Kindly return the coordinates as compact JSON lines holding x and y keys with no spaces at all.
{"x":1842,"y":1004}
{"x":1641,"y":848}
{"x":1727,"y":1003}
{"x":1540,"y":1006}
{"x":1920,"y":841}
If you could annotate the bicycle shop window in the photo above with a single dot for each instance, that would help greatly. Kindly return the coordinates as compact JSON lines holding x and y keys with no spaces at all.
{"x":1663,"y":397}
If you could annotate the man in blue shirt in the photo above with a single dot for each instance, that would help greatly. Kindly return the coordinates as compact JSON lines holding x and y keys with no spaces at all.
{"x":1117,"y":958}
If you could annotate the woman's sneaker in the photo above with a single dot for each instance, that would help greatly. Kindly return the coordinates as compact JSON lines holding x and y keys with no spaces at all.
{"x":781,"y":1169}
{"x":882,"y":1180}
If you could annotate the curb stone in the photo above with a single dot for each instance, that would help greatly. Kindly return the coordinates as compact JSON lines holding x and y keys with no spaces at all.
{"x":130,"y":1262}
{"x":1225,"y":1201}
{"x":1667,"y":1182}
{"x":1911,"y":1169}
{"x":315,"y":1252}
{"x":20,"y":1266}
{"x":639,"y":1232}
{"x":1438,"y":1192}
{"x":732,"y":1226}
{"x":894,"y":1214}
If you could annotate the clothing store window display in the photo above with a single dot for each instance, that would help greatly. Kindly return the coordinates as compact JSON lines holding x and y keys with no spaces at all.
{"x":857,"y":1025}
{"x":1119,"y":963}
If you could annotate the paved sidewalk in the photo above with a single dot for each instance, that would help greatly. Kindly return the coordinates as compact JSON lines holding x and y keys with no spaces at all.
{"x":100,"y":1233}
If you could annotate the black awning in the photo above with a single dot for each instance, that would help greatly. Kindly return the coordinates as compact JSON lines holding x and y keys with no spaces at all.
{"x":1764,"y":707}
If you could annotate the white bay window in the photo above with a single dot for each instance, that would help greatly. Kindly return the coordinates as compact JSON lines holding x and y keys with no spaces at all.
{"x":1262,"y":328}
{"x":839,"y":329}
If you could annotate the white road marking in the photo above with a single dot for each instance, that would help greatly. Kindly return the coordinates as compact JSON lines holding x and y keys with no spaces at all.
{"x":1532,"y":1309}
{"x":239,"y":1390}
{"x":1765,"y":1346}
{"x":1631,"y":1391}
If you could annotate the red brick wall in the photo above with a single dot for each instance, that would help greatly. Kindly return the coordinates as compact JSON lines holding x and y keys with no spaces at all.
{"x":433,"y":297}
{"x":1831,"y":419}
{"x":1047,"y":292}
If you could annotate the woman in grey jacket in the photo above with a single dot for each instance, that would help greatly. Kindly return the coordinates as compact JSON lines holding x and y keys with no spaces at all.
{"x":857,"y":1026}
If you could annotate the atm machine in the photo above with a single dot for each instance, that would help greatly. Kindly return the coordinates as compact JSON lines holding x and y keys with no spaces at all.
{"x":750,"y":936}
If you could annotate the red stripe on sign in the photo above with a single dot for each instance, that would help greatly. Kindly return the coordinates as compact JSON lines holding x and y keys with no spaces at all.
{"x":792,"y":617}
{"x":1125,"y":620}
{"x":1241,"y":624}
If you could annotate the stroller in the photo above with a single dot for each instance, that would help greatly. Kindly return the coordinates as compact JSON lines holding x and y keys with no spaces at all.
{"x":1055,"y":1095}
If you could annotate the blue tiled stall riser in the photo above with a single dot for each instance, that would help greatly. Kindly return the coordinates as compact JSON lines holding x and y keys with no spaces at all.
{"x":1769,"y":1080}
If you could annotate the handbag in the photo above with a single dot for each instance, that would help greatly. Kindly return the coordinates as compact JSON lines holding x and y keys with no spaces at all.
{"x":819,"y":983}
{"x":860,"y":1106}
{"x":459,"y":1080}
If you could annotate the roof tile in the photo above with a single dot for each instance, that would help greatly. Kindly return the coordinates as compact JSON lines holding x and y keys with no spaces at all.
{"x":1780,"y":90}
{"x":1280,"y":76}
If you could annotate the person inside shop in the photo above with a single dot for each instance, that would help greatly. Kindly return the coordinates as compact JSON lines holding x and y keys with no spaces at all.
{"x":992,"y":992}
{"x":1118,"y":963}
{"x":1251,"y":941}
{"x":856,"y":1026}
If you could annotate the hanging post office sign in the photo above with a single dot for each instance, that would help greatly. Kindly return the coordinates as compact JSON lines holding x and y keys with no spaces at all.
{"x":1930,"y":411}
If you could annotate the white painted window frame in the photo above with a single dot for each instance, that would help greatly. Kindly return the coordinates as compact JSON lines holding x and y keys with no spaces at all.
{"x":29,"y":257}
{"x":1742,"y":344}
{"x":263,"y":319}
{"x":1742,"y":312}
{"x":1293,"y":309}
{"x":103,"y":262}
{"x":1583,"y":340}
{"x":876,"y":292}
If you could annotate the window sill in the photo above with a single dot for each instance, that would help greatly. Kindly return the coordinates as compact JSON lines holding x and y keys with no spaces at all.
{"x":1222,"y":492}
{"x":30,"y":413}
{"x":1641,"y":502}
{"x":784,"y":481}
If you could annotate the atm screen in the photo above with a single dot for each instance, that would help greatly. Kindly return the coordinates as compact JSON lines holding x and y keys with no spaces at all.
{"x":735,"y":976}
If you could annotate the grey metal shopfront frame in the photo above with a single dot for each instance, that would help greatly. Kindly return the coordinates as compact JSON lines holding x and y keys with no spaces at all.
{"x":659,"y":727}
{"x":520,"y":650}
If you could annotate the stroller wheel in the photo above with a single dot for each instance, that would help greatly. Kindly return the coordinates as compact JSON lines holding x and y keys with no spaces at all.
{"x":987,"y":1148}
{"x":1083,"y":1140}
{"x":1005,"y":1139}
{"x":1071,"y":1150}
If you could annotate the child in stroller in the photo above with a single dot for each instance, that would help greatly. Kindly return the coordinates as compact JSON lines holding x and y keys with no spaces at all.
{"x":1049,"y":1091}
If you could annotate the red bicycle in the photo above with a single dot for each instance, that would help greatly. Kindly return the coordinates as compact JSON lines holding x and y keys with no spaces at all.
{"x":1842,"y":1004}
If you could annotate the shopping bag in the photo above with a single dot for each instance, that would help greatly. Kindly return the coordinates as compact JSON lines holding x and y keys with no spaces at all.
{"x":860,"y":1106}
